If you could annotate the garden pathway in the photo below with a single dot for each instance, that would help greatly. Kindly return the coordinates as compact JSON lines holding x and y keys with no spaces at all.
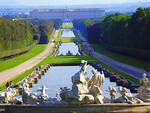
{"x":13,"y":72}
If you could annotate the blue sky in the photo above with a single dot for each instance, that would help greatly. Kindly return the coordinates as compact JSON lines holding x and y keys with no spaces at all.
{"x":63,"y":2}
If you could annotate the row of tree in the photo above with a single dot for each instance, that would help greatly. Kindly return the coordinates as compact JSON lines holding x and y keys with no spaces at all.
{"x":127,"y":34}
{"x":14,"y":35}
{"x":46,"y":27}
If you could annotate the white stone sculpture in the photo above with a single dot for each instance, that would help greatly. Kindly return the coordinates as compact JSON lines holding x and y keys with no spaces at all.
{"x":98,"y":95}
{"x":144,"y":81}
{"x":84,"y":90}
{"x":112,"y":91}
{"x":127,"y":97}
{"x":43,"y":94}
{"x":144,"y":92}
{"x":27,"y":97}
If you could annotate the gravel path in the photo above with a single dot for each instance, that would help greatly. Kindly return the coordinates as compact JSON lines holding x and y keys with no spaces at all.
{"x":13,"y":72}
{"x":133,"y":71}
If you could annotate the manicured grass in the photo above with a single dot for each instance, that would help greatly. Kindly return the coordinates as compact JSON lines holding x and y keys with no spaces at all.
{"x":129,"y":77}
{"x":70,"y":25}
{"x":52,"y":34}
{"x":68,"y":39}
{"x":122,"y":58}
{"x":10,"y":63}
{"x":67,"y":59}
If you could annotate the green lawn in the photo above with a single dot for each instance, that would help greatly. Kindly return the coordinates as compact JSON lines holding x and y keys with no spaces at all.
{"x":69,"y":24}
{"x":129,"y":77}
{"x":10,"y":63}
{"x":52,"y":34}
{"x":67,"y":39}
{"x":122,"y":58}
{"x":67,"y":59}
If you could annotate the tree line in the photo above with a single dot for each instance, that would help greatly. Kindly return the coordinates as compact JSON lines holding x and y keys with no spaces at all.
{"x":14,"y":35}
{"x":128,"y":34}
{"x":21,"y":34}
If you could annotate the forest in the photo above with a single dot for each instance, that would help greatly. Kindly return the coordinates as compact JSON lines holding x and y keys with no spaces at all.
{"x":127,"y":34}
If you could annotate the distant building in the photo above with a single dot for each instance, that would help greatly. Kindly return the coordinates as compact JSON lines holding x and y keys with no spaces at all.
{"x":67,"y":14}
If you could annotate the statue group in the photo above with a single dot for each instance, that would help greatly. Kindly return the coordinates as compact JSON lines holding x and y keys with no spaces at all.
{"x":89,"y":90}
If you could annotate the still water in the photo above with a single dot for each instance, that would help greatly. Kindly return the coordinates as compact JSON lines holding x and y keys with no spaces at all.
{"x":67,"y":33}
{"x":60,"y":76}
{"x":65,"y":47}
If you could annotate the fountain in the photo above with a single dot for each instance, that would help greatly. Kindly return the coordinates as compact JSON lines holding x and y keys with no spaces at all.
{"x":85,"y":90}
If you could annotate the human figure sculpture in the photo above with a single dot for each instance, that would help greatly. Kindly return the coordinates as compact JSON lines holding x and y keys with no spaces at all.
{"x":123,"y":92}
{"x":84,"y":90}
{"x":9,"y":95}
{"x":101,"y":80}
{"x":98,"y":95}
{"x":43,"y":95}
{"x":127,"y":97}
{"x":84,"y":67}
{"x":92,"y":78}
{"x":112,"y":91}
{"x":144,"y":81}
{"x":96,"y":79}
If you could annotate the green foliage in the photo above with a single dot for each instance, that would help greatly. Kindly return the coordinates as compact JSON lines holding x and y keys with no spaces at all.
{"x":68,"y":59}
{"x":70,"y":25}
{"x":67,"y":39}
{"x":127,"y":34}
{"x":122,"y":58}
{"x":15,"y":35}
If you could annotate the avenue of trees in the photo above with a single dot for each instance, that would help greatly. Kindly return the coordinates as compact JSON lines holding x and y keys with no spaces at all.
{"x":128,"y":34}
{"x":14,"y":35}
{"x":19,"y":36}
{"x":46,"y":27}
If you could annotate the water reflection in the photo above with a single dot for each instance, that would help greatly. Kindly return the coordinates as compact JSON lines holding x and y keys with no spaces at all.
{"x":65,"y":47}
{"x":67,"y":33}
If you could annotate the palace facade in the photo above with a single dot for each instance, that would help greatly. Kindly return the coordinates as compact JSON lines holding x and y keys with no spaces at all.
{"x":67,"y":14}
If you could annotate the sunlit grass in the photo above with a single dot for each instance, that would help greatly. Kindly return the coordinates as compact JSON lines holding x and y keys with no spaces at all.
{"x":122,"y":58}
{"x":67,"y":39}
{"x":10,"y":63}
{"x":70,"y":25}
{"x":67,"y":59}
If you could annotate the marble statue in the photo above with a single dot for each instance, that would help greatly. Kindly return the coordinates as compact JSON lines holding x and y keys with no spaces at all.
{"x":8,"y":96}
{"x":98,"y":95}
{"x":84,"y":67}
{"x":27,"y":97}
{"x":144,"y":81}
{"x":84,"y":90}
{"x":112,"y":91}
{"x":144,"y":92}
{"x":127,"y":97}
{"x":43,"y":95}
